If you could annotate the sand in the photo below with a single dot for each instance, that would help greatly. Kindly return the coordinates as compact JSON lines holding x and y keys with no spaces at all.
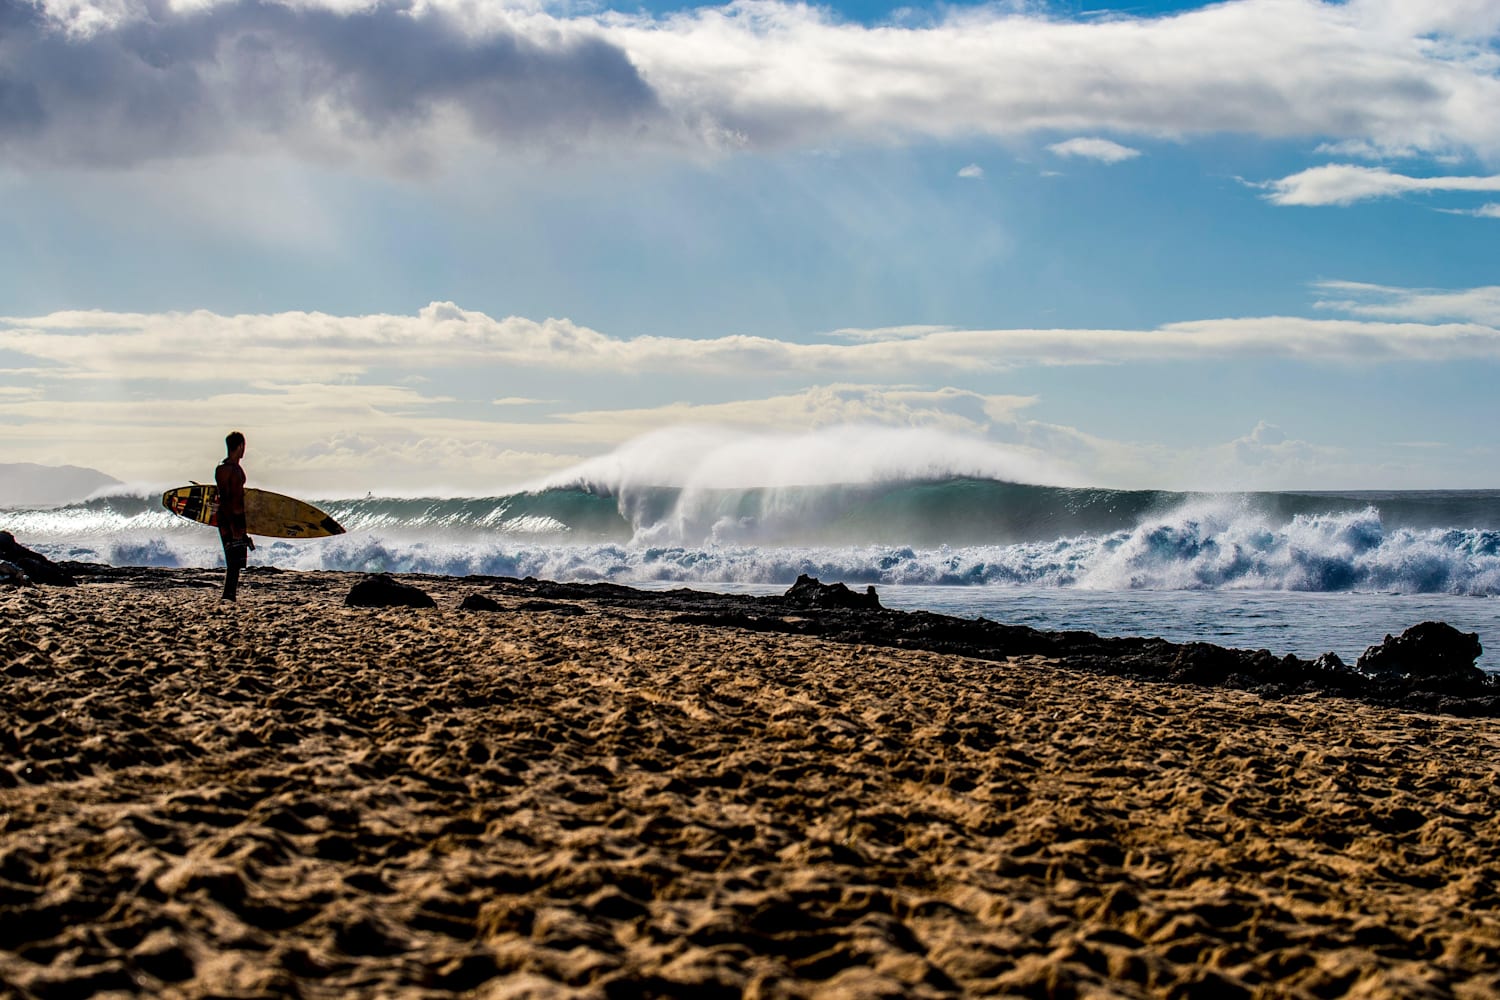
{"x":294,"y":798}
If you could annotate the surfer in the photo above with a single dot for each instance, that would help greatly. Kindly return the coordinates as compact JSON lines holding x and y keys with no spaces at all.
{"x":230,"y":479}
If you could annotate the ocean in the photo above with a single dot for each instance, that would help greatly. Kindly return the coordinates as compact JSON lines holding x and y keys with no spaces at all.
{"x":1292,"y":572}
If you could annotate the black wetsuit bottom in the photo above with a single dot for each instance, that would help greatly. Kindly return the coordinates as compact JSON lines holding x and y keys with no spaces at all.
{"x":235,"y":552}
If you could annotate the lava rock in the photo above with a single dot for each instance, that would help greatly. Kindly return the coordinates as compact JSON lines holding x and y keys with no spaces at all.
{"x":380,"y":591}
{"x":808,"y":592}
{"x":478,"y":602}
{"x":33,"y":565}
{"x":12,"y":575}
{"x":1330,"y":663}
{"x":1429,"y":652}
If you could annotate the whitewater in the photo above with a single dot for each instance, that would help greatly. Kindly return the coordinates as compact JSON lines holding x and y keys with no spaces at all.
{"x":1300,"y":572}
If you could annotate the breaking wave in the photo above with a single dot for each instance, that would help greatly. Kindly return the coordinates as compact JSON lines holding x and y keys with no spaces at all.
{"x":964,"y":530}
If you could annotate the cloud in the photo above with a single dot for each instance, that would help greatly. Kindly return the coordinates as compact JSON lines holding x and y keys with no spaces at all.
{"x":325,"y":440}
{"x":110,"y":390}
{"x":908,"y":332}
{"x":1473,"y":305}
{"x":1363,"y":149}
{"x":114,"y":83}
{"x":1095,"y":149}
{"x":168,"y":347}
{"x":972,"y":172}
{"x":1491,"y":210}
{"x":826,"y":406}
{"x":1345,"y":184}
{"x":1279,"y":68}
{"x":348,"y":439}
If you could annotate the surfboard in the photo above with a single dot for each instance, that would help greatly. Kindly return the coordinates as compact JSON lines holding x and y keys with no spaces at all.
{"x":269,"y":514}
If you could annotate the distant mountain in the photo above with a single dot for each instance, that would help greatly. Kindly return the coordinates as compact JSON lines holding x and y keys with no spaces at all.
{"x":23,"y":484}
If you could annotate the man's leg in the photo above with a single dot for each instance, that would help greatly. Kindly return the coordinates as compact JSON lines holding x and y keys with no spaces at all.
{"x":234,"y":560}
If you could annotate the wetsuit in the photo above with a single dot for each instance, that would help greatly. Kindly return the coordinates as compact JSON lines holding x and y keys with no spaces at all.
{"x":230,"y":479}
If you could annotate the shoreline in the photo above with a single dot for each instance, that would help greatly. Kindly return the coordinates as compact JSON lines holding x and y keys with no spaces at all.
{"x":585,"y":794}
{"x":1196,"y":663}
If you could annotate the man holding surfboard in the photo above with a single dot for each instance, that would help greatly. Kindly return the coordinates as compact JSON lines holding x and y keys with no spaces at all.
{"x":230,"y":479}
{"x":237,"y":510}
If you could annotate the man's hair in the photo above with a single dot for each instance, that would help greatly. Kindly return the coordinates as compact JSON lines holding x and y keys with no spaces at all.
{"x":233,"y":440}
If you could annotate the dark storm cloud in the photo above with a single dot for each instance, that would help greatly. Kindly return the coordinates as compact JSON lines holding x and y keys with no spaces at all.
{"x":250,"y":75}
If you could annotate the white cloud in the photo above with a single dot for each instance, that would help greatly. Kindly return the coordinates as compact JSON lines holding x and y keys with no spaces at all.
{"x":972,"y":172}
{"x":826,"y":406}
{"x":115,"y":347}
{"x":345,"y":440}
{"x":1491,"y":210}
{"x":1475,"y":21}
{"x":1364,"y":149}
{"x":313,"y":437}
{"x":121,"y":82}
{"x":1345,"y":184}
{"x":1102,"y":150}
{"x":340,"y":440}
{"x":1473,"y":305}
{"x":336,"y":429}
{"x":1272,"y":67}
{"x":908,"y":332}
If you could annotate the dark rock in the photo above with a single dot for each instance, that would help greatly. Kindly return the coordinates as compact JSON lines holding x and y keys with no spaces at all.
{"x":12,"y":575}
{"x":478,"y":602}
{"x":1329,"y":663}
{"x":36,"y":567}
{"x":1204,"y":663}
{"x":808,"y":592}
{"x":380,"y":591}
{"x":1429,"y":653}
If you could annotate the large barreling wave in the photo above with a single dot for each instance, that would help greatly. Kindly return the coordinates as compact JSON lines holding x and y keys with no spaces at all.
{"x":925,"y":510}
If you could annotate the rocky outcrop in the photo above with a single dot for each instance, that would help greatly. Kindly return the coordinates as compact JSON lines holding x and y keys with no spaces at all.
{"x":807,"y":592}
{"x":1432,"y":655}
{"x":478,"y":602}
{"x":380,"y":591}
{"x":12,"y":575}
{"x":33,"y":566}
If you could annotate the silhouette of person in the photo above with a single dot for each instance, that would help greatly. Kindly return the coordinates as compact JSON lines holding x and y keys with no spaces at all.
{"x":230,"y":479}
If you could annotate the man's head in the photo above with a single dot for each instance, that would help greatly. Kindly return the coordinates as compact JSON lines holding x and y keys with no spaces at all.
{"x":234,"y":444}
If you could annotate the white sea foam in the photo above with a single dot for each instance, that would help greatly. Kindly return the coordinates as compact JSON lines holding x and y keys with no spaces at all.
{"x":1197,"y":550}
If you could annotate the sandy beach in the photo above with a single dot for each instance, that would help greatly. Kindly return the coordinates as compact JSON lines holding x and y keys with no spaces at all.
{"x":291,"y":797}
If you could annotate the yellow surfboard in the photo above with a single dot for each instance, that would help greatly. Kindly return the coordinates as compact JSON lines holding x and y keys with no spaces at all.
{"x":268,"y":514}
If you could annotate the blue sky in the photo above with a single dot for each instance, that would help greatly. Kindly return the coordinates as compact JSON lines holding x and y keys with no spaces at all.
{"x":462,"y":246}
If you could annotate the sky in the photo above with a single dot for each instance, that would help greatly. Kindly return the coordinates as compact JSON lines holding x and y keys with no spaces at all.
{"x":459,"y":246}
